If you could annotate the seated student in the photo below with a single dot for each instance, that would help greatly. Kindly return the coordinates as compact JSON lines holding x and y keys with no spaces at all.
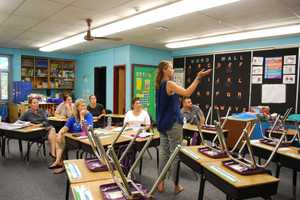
{"x":96,"y":109}
{"x":192,"y":113}
{"x":137,"y":116}
{"x":66,"y":108}
{"x":74,"y":125}
{"x":38,"y":116}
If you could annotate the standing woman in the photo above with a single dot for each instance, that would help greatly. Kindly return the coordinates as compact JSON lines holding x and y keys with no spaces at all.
{"x":169,"y":119}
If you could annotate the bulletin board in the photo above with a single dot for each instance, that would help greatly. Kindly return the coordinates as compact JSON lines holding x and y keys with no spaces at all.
{"x":202,"y":95}
{"x":143,"y":86}
{"x":274,"y":78}
{"x":179,"y":66}
{"x":232,"y":82}
{"x":178,"y":62}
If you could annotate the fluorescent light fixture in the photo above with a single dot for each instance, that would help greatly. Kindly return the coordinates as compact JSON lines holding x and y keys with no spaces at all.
{"x":263,"y":33}
{"x":148,"y":17}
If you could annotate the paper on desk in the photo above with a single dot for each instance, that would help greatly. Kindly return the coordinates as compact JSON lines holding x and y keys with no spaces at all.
{"x":190,"y":153}
{"x":273,"y":93}
{"x":223,"y":173}
{"x":83,"y":193}
{"x":73,"y":169}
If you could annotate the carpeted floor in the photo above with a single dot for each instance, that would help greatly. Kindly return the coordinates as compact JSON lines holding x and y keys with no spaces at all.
{"x":34,"y":181}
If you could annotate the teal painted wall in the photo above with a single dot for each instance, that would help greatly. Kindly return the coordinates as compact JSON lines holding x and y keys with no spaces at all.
{"x":124,"y":55}
{"x":254,"y":44}
{"x":16,"y":58}
{"x":86,"y":63}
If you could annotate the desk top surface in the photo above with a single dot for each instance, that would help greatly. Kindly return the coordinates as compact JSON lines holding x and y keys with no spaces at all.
{"x":59,"y":119}
{"x":115,"y":115}
{"x":191,"y":127}
{"x":290,"y":132}
{"x":92,"y":188}
{"x":85,"y":174}
{"x":28,"y":129}
{"x":232,"y":118}
{"x":193,"y":153}
{"x":292,"y":152}
{"x":235,"y":179}
{"x":108,"y":136}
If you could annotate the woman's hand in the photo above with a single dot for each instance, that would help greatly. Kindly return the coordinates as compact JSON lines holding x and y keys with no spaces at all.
{"x":100,"y":116}
{"x":82,"y":114}
{"x":203,"y":73}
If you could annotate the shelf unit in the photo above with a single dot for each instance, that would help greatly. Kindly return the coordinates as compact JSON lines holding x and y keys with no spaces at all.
{"x":47,"y":73}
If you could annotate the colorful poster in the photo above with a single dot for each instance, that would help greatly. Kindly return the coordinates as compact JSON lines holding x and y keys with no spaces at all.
{"x":289,"y":69}
{"x":273,"y":68}
{"x":290,"y":60}
{"x":289,"y":79}
{"x":257,"y":70}
{"x":178,"y":76}
{"x":257,"y":79}
{"x":257,"y":60}
{"x":273,"y":93}
{"x":138,"y":83}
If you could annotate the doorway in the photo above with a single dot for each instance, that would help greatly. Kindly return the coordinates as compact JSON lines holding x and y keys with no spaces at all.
{"x":119,"y":89}
{"x":100,"y":85}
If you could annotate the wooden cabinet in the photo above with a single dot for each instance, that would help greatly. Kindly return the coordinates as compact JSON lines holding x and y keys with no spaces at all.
{"x":48,"y":73}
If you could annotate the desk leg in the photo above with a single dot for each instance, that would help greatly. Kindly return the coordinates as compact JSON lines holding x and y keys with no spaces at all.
{"x":278,"y":167}
{"x":294,"y":183}
{"x":201,"y":187}
{"x":21,"y":148}
{"x":141,"y":166}
{"x":3,"y":147}
{"x":67,"y":189}
{"x":177,"y":173}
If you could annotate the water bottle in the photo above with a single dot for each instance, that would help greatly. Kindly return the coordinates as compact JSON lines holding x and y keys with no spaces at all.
{"x":184,"y":120}
{"x":109,"y":122}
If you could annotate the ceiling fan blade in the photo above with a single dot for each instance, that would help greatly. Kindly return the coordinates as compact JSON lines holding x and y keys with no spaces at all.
{"x":108,"y":38}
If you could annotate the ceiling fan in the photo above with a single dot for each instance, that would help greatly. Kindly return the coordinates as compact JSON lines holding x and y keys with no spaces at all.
{"x":89,"y":37}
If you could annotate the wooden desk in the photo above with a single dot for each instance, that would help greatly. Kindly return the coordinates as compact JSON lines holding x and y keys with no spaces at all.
{"x":31,"y":134}
{"x":92,"y":187}
{"x":285,"y":157}
{"x":208,"y":134}
{"x":85,"y":174}
{"x":237,"y":186}
{"x":232,"y":184}
{"x":73,"y":142}
{"x":117,"y":119}
{"x":57,"y":122}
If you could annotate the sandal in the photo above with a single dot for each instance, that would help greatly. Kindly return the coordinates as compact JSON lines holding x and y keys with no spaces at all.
{"x":59,"y":170}
{"x":54,"y":166}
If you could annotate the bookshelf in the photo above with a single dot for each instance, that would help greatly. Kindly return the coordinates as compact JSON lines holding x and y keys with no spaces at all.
{"x":47,"y":73}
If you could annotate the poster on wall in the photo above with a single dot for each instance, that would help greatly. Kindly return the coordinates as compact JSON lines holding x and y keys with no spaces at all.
{"x":289,"y":69}
{"x":178,"y":76}
{"x":273,"y":93}
{"x":257,"y":60}
{"x":143,"y":86}
{"x":203,"y":93}
{"x":257,"y":70}
{"x":289,"y":79}
{"x":232,"y":81}
{"x":257,"y":79}
{"x":273,"y":68}
{"x":290,"y":60}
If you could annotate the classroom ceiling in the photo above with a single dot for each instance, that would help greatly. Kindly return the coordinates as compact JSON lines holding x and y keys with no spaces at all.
{"x":30,"y":23}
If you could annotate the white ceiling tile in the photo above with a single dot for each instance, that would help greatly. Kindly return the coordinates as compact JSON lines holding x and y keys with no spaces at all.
{"x":3,"y":16}
{"x":19,"y":22}
{"x":72,"y":15}
{"x":63,"y":1}
{"x":99,"y":5}
{"x":38,"y":8}
{"x":9,"y":5}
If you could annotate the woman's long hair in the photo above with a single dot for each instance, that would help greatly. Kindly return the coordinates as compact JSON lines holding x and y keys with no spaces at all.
{"x":160,"y":72}
{"x":78,"y":102}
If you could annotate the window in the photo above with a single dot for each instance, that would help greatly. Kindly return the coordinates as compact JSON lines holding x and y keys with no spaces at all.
{"x":4,"y":77}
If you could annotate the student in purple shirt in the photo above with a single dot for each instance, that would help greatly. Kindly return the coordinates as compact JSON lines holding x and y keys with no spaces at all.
{"x":73,"y":125}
